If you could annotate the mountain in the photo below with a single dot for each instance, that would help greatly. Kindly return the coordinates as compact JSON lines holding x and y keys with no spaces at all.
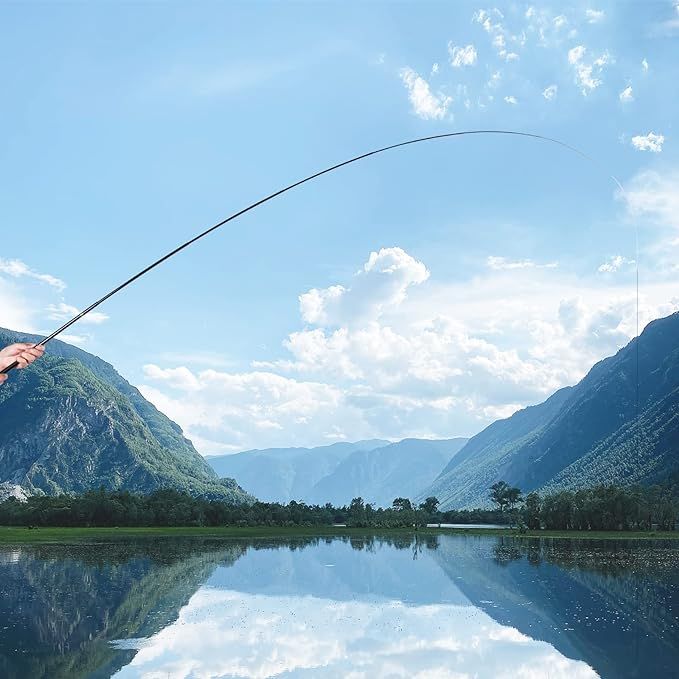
{"x":71,"y":423}
{"x":284,"y":474}
{"x":582,"y":435}
{"x":375,"y":470}
{"x":401,"y":469}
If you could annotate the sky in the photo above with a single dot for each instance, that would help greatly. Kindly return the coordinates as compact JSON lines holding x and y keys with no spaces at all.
{"x":425,"y":292}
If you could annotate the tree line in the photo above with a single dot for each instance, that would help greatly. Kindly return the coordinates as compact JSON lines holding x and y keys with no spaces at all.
{"x":605,"y":507}
{"x":168,"y":507}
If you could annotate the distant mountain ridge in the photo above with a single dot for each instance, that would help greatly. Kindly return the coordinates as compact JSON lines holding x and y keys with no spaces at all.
{"x":71,"y":423}
{"x":582,"y":435}
{"x":376,"y":470}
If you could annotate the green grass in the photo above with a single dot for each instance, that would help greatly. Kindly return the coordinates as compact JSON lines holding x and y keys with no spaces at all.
{"x":18,"y":535}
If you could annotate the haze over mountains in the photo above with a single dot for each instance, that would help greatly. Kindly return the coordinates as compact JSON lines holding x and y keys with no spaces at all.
{"x":377,"y":471}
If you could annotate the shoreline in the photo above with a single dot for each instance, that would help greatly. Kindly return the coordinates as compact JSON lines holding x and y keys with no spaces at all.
{"x":22,"y":535}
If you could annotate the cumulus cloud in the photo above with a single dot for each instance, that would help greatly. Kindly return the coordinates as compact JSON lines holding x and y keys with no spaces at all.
{"x":462,"y":56}
{"x":510,"y":99}
{"x":626,"y":95}
{"x":587,"y":72}
{"x":442,"y":361}
{"x":649,"y":142}
{"x":644,"y":65}
{"x":381,"y":283}
{"x":550,"y":92}
{"x":425,"y":103}
{"x":223,"y":411}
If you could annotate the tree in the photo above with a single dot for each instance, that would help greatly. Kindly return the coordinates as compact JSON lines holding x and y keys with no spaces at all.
{"x":504,"y":495}
{"x":532,"y":511}
{"x":357,"y":512}
{"x":402,"y":503}
{"x":430,"y":505}
{"x":513,"y":497}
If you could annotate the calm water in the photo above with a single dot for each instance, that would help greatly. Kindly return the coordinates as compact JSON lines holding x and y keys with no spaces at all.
{"x":448,"y":606}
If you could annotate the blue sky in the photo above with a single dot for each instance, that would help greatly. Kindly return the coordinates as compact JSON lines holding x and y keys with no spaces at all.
{"x":501,"y":267}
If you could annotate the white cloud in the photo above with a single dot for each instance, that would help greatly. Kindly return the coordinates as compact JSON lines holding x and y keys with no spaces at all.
{"x":510,"y":99}
{"x":504,"y":264}
{"x":17,"y":269}
{"x":654,"y":195}
{"x":222,"y":632}
{"x":560,"y":21}
{"x":392,"y":353}
{"x":615,"y":263}
{"x":594,"y":16}
{"x":644,"y":65}
{"x":25,"y":296}
{"x":462,"y":56}
{"x":434,"y":69}
{"x":495,"y":79}
{"x":500,"y":38}
{"x":649,"y":142}
{"x":425,"y":103}
{"x":587,"y":72}
{"x":626,"y":95}
{"x":224,"y":411}
{"x":16,"y":310}
{"x":550,"y":92}
{"x":64,"y":312}
{"x":381,"y":283}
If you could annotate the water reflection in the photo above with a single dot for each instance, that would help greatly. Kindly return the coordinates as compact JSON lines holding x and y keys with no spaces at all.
{"x":406,"y":607}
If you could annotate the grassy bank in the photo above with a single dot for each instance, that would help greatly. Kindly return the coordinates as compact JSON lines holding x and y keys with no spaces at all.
{"x":19,"y":535}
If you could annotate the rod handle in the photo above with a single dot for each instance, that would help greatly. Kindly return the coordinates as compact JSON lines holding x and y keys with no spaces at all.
{"x":11,"y":366}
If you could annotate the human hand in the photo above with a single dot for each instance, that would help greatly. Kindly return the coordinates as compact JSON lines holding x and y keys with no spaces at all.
{"x":24,"y":353}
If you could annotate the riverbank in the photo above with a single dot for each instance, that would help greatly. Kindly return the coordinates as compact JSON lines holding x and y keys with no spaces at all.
{"x":21,"y":535}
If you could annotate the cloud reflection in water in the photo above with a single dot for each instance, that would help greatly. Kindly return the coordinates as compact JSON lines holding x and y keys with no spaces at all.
{"x":225,"y":633}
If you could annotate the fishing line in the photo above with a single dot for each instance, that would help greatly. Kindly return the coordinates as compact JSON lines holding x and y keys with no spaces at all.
{"x":327,"y":170}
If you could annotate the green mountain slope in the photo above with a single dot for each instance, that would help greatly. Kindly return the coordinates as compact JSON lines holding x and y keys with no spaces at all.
{"x":585,"y":434}
{"x":71,"y":423}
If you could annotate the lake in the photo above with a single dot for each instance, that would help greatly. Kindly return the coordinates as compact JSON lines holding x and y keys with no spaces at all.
{"x":405,"y":606}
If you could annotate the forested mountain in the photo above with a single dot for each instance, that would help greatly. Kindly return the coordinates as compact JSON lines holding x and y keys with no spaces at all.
{"x":582,"y":435}
{"x":71,"y":423}
{"x":375,"y":470}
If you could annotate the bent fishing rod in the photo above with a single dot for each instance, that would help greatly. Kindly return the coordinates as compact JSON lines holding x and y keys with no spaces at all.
{"x":311,"y":177}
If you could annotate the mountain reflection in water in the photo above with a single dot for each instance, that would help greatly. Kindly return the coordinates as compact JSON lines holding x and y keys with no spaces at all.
{"x":433,"y":606}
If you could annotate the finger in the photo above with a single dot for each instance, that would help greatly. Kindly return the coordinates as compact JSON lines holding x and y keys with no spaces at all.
{"x":34,"y":353}
{"x":21,"y":362}
{"x":3,"y":378}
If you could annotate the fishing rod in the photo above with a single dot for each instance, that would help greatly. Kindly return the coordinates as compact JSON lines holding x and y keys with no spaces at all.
{"x":311,"y":177}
